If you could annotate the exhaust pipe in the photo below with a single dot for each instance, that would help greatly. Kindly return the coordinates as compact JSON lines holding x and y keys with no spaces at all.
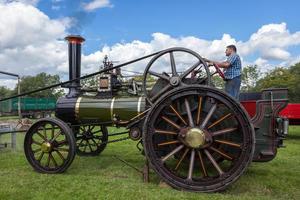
{"x":75,"y":42}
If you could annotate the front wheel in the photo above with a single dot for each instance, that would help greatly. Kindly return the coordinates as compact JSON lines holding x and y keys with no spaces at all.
{"x":50,"y":146}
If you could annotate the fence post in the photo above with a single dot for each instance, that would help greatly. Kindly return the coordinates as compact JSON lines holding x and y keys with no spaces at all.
{"x":14,"y":141}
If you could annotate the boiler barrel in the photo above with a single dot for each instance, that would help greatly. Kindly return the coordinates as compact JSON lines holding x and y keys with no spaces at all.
{"x":103,"y":110}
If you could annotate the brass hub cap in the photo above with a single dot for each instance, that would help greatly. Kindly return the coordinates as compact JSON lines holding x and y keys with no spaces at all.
{"x":195,"y":138}
{"x":46,"y":147}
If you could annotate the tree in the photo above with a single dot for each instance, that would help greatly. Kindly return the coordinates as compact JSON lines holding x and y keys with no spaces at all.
{"x":294,"y":92}
{"x":30,"y":83}
{"x":283,"y":78}
{"x":218,"y":82}
{"x":5,"y":92}
{"x":250,"y":75}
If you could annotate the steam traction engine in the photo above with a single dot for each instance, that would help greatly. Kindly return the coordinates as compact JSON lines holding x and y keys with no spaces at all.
{"x":195,"y":137}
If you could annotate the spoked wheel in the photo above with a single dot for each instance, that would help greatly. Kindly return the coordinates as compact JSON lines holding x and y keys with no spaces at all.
{"x":49,"y":146}
{"x":91,"y":140}
{"x":198,"y":138}
{"x":176,"y":73}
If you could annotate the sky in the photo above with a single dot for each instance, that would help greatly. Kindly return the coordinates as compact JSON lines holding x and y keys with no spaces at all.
{"x":266,"y":33}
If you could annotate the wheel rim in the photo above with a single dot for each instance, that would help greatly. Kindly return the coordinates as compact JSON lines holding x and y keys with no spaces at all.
{"x":165,"y":82}
{"x":49,"y":146}
{"x":200,"y":150}
{"x":91,"y":139}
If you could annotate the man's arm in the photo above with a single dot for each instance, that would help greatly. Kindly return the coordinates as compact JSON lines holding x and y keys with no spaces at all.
{"x":225,"y":64}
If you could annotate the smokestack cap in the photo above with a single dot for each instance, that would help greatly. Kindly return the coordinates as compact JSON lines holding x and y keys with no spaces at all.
{"x":77,"y":39}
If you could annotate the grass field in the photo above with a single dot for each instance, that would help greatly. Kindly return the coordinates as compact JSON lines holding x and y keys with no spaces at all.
{"x":105,"y":177}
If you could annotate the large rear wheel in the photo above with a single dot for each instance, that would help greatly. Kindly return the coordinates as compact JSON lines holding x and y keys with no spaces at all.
{"x":197,"y":138}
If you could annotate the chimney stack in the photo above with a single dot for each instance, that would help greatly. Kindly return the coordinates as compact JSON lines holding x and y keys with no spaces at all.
{"x":75,"y":42}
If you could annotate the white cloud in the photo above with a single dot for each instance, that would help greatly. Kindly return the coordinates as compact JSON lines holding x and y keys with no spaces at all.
{"x":275,"y":54}
{"x":30,"y":2}
{"x":96,"y":4}
{"x":271,"y":41}
{"x":260,"y":62}
{"x":31,"y":42}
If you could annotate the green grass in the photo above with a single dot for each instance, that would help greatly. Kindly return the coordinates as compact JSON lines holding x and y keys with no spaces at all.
{"x":105,"y":177}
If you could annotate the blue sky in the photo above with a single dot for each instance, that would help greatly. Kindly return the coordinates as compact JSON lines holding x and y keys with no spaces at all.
{"x":209,"y":19}
{"x":267,"y":33}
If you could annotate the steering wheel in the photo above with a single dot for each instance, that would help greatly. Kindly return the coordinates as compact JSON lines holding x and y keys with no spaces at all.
{"x":175,"y":79}
{"x":220,"y":72}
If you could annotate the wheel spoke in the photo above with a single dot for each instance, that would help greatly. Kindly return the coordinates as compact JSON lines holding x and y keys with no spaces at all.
{"x":162,"y":91}
{"x":61,"y":149}
{"x":79,"y":144}
{"x":164,"y":132}
{"x":37,"y":143}
{"x":48,"y":161}
{"x":202,"y":164}
{"x":191,"y":166}
{"x":171,"y":122}
{"x":89,"y":145}
{"x":37,"y":150}
{"x":91,"y":128}
{"x":168,"y":143}
{"x":187,"y":72}
{"x":60,"y":143}
{"x":82,"y":128}
{"x":188,"y":110}
{"x":79,"y":137}
{"x":173,"y":65}
{"x":60,"y":155}
{"x":181,"y":159}
{"x":84,"y":150}
{"x":208,"y":116}
{"x":228,"y":143}
{"x":98,"y":137}
{"x":172,"y":153}
{"x":41,"y":136}
{"x":53,"y":160}
{"x":162,"y":76}
{"x":97,"y":131}
{"x":220,"y":120}
{"x":213,"y":161}
{"x":52,"y":132}
{"x":178,"y":115}
{"x":199,"y":110}
{"x":223,"y":131}
{"x":41,"y":156}
{"x":226,"y":156}
{"x":95,"y":142}
{"x":56,"y":135}
{"x":45,"y":132}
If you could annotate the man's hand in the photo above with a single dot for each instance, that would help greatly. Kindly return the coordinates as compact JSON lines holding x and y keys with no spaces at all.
{"x":210,"y":64}
{"x":207,"y":60}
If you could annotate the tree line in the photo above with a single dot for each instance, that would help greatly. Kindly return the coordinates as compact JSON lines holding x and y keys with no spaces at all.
{"x":29,"y":83}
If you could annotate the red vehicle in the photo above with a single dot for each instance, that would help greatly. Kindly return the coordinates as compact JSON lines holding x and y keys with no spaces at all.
{"x":290,"y":112}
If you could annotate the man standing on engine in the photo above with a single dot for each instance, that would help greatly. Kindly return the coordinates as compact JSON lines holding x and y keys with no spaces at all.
{"x":232,"y":71}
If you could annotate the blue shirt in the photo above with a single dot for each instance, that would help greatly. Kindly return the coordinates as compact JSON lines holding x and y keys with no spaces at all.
{"x":235,"y":68}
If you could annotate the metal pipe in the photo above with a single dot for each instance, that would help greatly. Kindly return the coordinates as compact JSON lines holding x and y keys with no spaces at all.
{"x":8,"y":73}
{"x":75,"y":42}
{"x":19,"y":98}
{"x":285,"y":126}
